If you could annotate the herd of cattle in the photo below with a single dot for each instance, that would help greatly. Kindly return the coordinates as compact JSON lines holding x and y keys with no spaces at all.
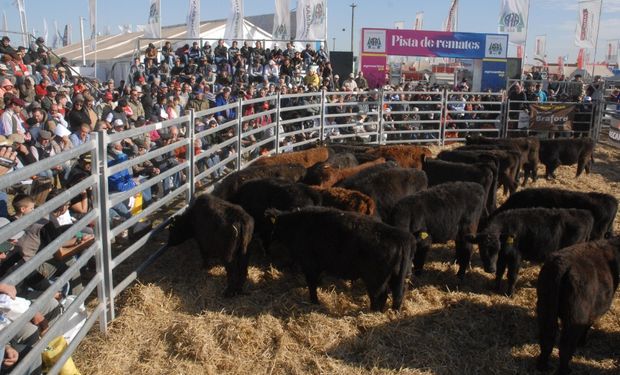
{"x":371,"y":212}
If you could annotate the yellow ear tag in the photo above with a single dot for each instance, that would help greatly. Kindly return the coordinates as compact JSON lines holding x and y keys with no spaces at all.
{"x":423,"y":235}
{"x":510,"y":240}
{"x":273,"y":220}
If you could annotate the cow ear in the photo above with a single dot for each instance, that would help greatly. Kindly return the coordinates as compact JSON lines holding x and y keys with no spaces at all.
{"x":272,"y":215}
{"x":421,"y":235}
{"x":472,"y":238}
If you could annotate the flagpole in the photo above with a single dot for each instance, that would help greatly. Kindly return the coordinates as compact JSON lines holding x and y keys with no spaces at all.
{"x":529,"y":2}
{"x":82,"y":37}
{"x":598,"y":29}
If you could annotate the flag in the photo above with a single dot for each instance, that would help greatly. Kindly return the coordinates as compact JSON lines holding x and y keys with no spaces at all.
{"x":399,"y":25}
{"x":540,"y":49}
{"x":520,"y":51}
{"x":282,"y":21}
{"x":611,"y":53}
{"x":153,"y":26}
{"x":5,"y":24}
{"x":311,"y":20}
{"x":513,"y":18}
{"x":22,"y":20}
{"x":193,"y":19}
{"x":45,"y":30}
{"x":126,"y":28}
{"x":452,"y":20}
{"x":580,"y":58}
{"x":234,"y":23}
{"x":57,"y":36}
{"x":419,"y":21}
{"x":66,"y":36}
{"x":589,"y":15}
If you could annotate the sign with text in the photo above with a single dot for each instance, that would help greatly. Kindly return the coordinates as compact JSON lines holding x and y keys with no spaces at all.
{"x":552,"y":116}
{"x":424,"y":43}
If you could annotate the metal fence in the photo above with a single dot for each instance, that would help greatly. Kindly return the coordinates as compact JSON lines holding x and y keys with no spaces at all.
{"x":206,"y":146}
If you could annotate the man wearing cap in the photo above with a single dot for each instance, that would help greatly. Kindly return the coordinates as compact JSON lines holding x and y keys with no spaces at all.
{"x":198,"y":101}
{"x":4,"y":72}
{"x":106,"y":106}
{"x":11,"y":120}
{"x":49,"y":98}
{"x":64,"y":63}
{"x":44,"y":148}
{"x":349,"y":84}
{"x":135,"y":104}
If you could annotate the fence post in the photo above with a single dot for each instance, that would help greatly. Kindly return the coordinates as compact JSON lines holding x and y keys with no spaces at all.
{"x":380,"y":120}
{"x":322,"y":119}
{"x":277,"y":132}
{"x":239,"y":133}
{"x":190,"y":157}
{"x":102,"y":200}
{"x":442,"y":118}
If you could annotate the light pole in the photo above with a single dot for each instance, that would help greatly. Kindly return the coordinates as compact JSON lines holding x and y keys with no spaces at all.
{"x":352,"y":30}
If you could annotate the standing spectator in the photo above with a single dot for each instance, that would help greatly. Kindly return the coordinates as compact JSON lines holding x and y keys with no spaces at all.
{"x":361,"y":81}
{"x":220,"y":52}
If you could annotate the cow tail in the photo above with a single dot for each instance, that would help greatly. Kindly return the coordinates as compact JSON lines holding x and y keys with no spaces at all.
{"x":404,"y":270}
{"x":549,"y":287}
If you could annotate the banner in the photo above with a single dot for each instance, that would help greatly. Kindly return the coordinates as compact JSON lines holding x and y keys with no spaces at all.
{"x":399,"y":25}
{"x":5,"y":23}
{"x":561,"y":65}
{"x":587,"y":23}
{"x":153,"y":26}
{"x":57,"y":36}
{"x":234,"y":23}
{"x":23,"y":22}
{"x":552,"y":116}
{"x":419,"y":21}
{"x":434,"y":44}
{"x":513,"y":18}
{"x":581,"y":59}
{"x":193,"y":20}
{"x":66,"y":37}
{"x":611,"y":52}
{"x":282,"y":21}
{"x":92,"y":20}
{"x":311,"y":20}
{"x":540,"y":49}
{"x":451,"y":21}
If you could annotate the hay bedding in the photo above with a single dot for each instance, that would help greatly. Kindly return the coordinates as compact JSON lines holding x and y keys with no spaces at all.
{"x":176,"y":321}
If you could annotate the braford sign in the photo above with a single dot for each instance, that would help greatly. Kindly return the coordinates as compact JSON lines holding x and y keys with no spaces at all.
{"x":434,"y":44}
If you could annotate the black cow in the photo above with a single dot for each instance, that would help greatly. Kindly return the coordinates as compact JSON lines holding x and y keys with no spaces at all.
{"x":531,"y":234}
{"x":221,"y":229}
{"x":256,"y":196}
{"x":449,"y":211}
{"x":342,"y":160}
{"x":603,"y":207}
{"x":229,"y":186}
{"x":439,"y":172}
{"x":528,"y":147}
{"x":473,"y":157}
{"x":576,"y":285}
{"x":348,"y":246}
{"x":566,"y":151}
{"x":509,"y":164}
{"x":386,"y":185}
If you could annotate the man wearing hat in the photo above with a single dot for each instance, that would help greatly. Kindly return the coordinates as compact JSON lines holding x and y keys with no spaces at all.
{"x":64,"y":63}
{"x":43,"y":149}
{"x":11,"y":121}
{"x":106,"y":106}
{"x":4,"y":72}
{"x":198,"y":101}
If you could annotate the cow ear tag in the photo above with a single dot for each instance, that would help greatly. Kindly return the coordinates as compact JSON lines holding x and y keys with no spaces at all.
{"x":510,"y":240}
{"x":423,"y":235}
{"x":273,"y":219}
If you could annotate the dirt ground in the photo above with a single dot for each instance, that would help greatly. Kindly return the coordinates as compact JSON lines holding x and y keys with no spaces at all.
{"x":175,"y":320}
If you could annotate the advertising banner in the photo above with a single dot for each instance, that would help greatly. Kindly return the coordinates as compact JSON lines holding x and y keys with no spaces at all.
{"x":493,"y":75}
{"x":374,"y":68}
{"x":513,"y":18}
{"x":552,"y":116}
{"x":434,"y":44}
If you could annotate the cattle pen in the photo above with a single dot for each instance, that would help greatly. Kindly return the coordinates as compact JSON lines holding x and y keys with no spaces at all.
{"x":160,"y":312}
{"x":175,"y":320}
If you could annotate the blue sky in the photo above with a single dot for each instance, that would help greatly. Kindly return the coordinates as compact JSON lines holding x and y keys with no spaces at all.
{"x":554,"y":18}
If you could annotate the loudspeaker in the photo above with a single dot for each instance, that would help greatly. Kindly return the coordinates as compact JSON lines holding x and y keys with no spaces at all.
{"x":513,"y":68}
{"x":342,"y":64}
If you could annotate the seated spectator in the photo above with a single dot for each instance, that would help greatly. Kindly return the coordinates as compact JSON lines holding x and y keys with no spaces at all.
{"x":81,"y":136}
